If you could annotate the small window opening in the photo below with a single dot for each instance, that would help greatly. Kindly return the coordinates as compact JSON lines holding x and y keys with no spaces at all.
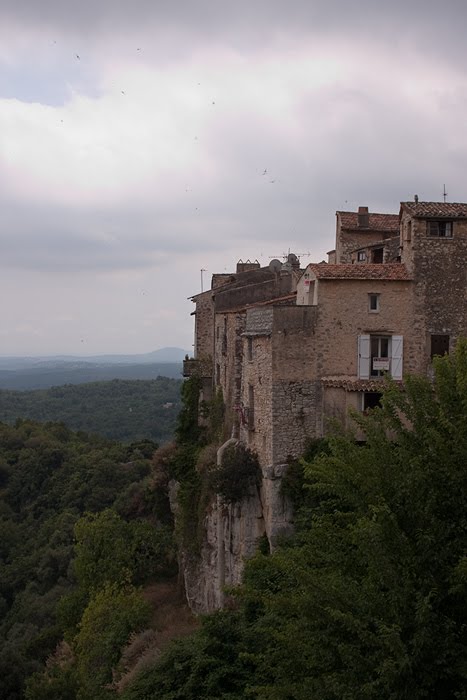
{"x":361,"y":256}
{"x":377,"y":255}
{"x":370,"y":400}
{"x":250,"y":349}
{"x":439,"y":345}
{"x":373,"y":303}
{"x":408,"y":232}
{"x":251,"y":407}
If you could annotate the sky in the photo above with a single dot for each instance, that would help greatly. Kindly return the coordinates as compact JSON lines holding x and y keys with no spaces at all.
{"x":147,"y":144}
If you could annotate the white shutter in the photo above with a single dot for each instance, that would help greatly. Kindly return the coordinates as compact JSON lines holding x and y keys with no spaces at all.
{"x":397,"y":349}
{"x":364,"y":356}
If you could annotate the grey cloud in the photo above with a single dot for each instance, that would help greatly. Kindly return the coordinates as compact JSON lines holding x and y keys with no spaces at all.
{"x":247,"y":24}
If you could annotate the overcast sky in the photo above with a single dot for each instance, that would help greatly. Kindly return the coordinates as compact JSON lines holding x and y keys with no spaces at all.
{"x":142,"y":141}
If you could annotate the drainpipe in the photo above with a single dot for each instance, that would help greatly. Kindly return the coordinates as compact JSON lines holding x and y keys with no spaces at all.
{"x":220,"y":529}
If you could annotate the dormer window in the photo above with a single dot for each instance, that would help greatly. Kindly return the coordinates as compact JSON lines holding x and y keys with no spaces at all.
{"x":440,"y":229}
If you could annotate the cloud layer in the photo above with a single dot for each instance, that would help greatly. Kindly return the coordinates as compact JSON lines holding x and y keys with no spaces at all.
{"x":141,"y":142}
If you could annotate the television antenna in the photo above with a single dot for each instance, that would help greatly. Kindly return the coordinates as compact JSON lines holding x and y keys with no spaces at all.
{"x":201,"y":271}
{"x":445,"y":194}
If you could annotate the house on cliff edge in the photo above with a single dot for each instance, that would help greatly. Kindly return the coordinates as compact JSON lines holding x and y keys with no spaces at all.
{"x":292,"y":348}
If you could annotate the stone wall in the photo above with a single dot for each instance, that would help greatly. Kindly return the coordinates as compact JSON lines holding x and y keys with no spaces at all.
{"x":440,"y":271}
{"x":343,"y":315}
{"x":348,"y":241}
{"x":253,"y":287}
{"x":204,"y":325}
{"x":296,"y":409}
{"x":228,"y":357}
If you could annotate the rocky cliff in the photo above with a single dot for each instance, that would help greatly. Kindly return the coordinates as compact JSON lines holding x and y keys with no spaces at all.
{"x":231,"y":534}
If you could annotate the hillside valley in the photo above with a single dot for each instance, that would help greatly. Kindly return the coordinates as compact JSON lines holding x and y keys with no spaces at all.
{"x":120,"y":409}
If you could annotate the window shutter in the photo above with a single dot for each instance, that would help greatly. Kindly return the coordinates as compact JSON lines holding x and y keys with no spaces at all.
{"x":396,"y":356}
{"x":364,"y":356}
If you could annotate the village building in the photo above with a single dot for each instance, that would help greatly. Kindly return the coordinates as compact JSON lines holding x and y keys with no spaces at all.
{"x":294,"y":349}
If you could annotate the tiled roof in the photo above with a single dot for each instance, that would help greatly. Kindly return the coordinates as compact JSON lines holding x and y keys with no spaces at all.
{"x":360,"y":271}
{"x":377,"y":222}
{"x":438,"y":210}
{"x":276,"y":301}
{"x":353,"y":383}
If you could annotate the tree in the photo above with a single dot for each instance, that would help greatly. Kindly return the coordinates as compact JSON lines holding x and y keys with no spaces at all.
{"x":369,"y":600}
{"x":111,"y":615}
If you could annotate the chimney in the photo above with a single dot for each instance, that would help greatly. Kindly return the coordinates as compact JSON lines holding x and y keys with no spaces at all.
{"x":363,"y":217}
{"x":416,"y":199}
{"x":247,"y":266}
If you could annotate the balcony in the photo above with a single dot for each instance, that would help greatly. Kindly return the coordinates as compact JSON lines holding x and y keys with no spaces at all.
{"x":197,"y":367}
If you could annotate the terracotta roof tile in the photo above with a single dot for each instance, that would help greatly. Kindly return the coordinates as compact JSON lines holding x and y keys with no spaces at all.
{"x":353,"y":383}
{"x":438,"y":210}
{"x":362,"y":271}
{"x":377,"y":222}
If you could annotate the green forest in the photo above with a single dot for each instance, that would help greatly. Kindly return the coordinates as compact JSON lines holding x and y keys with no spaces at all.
{"x":124,"y":410}
{"x":367,"y":600}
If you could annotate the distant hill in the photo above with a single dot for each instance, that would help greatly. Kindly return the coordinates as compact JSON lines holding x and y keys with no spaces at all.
{"x":163,"y":355}
{"x":118,"y":409}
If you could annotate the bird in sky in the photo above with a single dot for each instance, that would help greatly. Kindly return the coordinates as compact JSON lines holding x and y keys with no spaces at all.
{"x":265,"y":171}
{"x":78,"y":56}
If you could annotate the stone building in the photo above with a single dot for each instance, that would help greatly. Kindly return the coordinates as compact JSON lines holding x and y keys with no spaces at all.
{"x":293,"y":349}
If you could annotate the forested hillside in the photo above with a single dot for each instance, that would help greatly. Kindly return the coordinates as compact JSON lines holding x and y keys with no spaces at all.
{"x":83,"y":524}
{"x":58,"y":373}
{"x":122,"y":410}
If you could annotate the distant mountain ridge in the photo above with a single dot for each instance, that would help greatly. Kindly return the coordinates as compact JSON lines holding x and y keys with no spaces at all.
{"x":162,"y":355}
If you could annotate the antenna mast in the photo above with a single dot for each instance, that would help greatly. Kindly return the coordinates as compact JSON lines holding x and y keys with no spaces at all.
{"x":201,"y":271}
{"x":445,"y":194}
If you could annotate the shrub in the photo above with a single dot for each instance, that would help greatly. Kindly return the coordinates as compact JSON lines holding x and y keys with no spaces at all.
{"x":238,"y":474}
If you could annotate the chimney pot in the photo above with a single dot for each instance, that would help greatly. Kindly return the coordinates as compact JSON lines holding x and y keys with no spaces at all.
{"x":416,"y":199}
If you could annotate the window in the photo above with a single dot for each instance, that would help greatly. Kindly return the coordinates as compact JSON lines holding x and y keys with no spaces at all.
{"x":373,"y":303}
{"x":377,"y":255}
{"x":251,"y":407}
{"x":439,"y":345}
{"x":224,"y":337}
{"x":361,"y":256}
{"x":440,"y":229}
{"x":380,"y":357}
{"x":408,"y":231}
{"x":370,"y":399}
{"x":378,"y":354}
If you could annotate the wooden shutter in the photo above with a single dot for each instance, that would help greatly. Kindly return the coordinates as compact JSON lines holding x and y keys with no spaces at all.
{"x":364,"y":356}
{"x":397,"y":349}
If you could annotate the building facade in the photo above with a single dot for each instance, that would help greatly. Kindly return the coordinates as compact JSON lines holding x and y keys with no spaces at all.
{"x":293,"y":349}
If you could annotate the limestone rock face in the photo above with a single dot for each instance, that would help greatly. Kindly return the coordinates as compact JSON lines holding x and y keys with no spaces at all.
{"x":231,"y":535}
